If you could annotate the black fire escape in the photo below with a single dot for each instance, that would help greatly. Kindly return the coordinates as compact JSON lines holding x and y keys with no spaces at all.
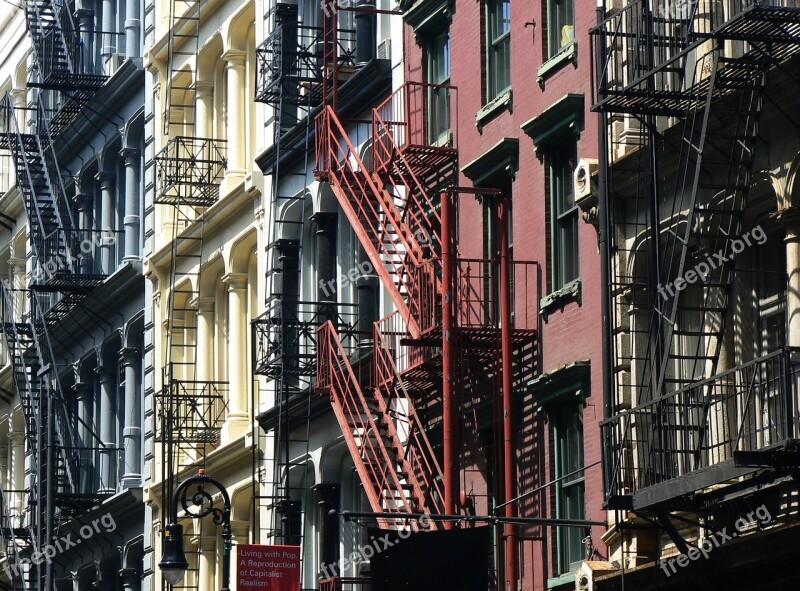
{"x":289,"y":79}
{"x":680,"y":89}
{"x":63,"y":275}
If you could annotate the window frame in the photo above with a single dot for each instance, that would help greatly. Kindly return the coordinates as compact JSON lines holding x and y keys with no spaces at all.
{"x":494,"y":10}
{"x":555,"y":25}
{"x":437,"y":133}
{"x":562,"y":419}
{"x":558,"y":160}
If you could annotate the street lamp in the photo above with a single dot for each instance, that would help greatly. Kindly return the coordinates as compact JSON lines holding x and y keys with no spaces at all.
{"x":173,"y":563}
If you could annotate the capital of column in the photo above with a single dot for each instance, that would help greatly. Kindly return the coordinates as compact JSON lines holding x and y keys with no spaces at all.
{"x":204,"y":89}
{"x":82,"y":391}
{"x":235,"y":58}
{"x":83,"y":201}
{"x":105,"y":179}
{"x":17,"y":264}
{"x":106,"y":374}
{"x":16,"y":437}
{"x":235,"y":281}
{"x":130,"y":155}
{"x":128,"y":356}
{"x":20,"y":96}
{"x":205,"y":543}
{"x":240,"y":530}
{"x":325,"y":221}
{"x":204,"y":305}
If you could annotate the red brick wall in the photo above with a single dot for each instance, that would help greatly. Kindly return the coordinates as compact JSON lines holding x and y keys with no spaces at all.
{"x":570,"y":334}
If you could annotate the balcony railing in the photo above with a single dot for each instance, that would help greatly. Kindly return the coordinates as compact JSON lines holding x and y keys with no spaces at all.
{"x":653,"y":46}
{"x":189,"y":171}
{"x":191,"y":411}
{"x":695,"y":438}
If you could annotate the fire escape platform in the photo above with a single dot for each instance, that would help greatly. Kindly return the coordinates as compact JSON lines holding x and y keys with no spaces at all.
{"x":69,"y":81}
{"x":757,"y":25}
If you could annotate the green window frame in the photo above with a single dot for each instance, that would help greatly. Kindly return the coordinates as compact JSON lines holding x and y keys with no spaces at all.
{"x":560,"y":26}
{"x":570,"y":484}
{"x":498,"y":47}
{"x":563,"y":215}
{"x":438,"y":76}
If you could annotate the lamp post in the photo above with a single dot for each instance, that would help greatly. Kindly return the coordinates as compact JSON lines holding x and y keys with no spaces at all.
{"x":173,"y":563}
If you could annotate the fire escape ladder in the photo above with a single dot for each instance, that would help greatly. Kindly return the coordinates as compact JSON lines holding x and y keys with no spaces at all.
{"x":419,"y":460}
{"x":183,"y":47}
{"x":15,"y":543}
{"x":369,"y":431}
{"x":371,"y":209}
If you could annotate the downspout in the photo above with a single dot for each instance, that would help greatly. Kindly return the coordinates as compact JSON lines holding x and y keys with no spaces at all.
{"x":448,"y":361}
{"x":509,"y":468}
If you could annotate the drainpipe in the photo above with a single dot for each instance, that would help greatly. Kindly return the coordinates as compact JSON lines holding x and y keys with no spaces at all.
{"x":448,"y":363}
{"x":365,"y":32}
{"x":509,"y":468}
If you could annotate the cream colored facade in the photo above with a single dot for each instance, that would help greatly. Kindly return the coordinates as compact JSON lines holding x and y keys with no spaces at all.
{"x":227,"y":272}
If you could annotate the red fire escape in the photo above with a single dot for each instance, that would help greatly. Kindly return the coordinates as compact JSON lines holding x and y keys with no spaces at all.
{"x":452,"y":348}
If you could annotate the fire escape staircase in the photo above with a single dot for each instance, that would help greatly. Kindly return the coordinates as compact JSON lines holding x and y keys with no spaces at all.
{"x":391,"y":207}
{"x":399,"y":474}
{"x":716,"y":95}
{"x":55,"y":240}
{"x":62,"y":57}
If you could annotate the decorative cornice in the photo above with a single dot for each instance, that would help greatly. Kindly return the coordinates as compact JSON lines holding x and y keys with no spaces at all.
{"x":502,"y":159}
{"x":563,"y":117}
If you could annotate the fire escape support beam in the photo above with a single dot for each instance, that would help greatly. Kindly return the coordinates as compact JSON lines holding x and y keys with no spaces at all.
{"x":509,"y":467}
{"x":449,"y":404}
{"x":683,"y":547}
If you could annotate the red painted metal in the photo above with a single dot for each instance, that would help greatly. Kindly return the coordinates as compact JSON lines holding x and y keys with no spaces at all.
{"x":419,"y":460}
{"x":450,"y":407}
{"x":387,"y":465}
{"x":509,"y":465}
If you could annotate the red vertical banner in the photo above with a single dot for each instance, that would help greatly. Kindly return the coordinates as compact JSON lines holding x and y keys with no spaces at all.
{"x":267,"y":568}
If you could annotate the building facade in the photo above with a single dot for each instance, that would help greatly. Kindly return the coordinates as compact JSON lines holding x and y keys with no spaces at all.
{"x":697,"y":181}
{"x":72,"y":136}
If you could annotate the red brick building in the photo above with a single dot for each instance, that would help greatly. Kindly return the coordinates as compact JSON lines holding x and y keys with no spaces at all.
{"x":522,"y":71}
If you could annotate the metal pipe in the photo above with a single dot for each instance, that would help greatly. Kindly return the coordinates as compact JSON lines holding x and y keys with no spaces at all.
{"x":509,"y":471}
{"x":545,"y":521}
{"x":448,"y":361}
{"x":603,"y":243}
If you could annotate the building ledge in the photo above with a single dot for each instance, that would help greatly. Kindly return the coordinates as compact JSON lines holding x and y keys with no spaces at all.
{"x":502,"y":102}
{"x":568,"y":54}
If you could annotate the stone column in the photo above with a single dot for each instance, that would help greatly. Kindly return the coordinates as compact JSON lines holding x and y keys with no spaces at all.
{"x":132,"y":28}
{"x":86,"y":28}
{"x":107,"y":423}
{"x":131,"y":221}
{"x":132,"y":427}
{"x":236,"y":132}
{"x":207,"y":562}
{"x":83,"y":393}
{"x":17,"y":469}
{"x":205,"y":331}
{"x":87,"y":245}
{"x":325,"y":249}
{"x":106,"y":220}
{"x":109,"y":11}
{"x":240,"y":530}
{"x":237,"y":341}
{"x":791,"y":222}
{"x":205,"y":107}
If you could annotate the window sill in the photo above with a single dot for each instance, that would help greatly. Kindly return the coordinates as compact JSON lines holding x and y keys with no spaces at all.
{"x":505,"y":100}
{"x":565,"y":579}
{"x":567,"y":54}
{"x":556,"y":299}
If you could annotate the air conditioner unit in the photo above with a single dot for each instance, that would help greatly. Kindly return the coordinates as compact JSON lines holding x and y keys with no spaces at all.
{"x":385,"y":50}
{"x":585,"y":180}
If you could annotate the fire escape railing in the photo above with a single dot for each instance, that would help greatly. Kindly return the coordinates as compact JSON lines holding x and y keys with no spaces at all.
{"x":752,"y":407}
{"x":189,"y":171}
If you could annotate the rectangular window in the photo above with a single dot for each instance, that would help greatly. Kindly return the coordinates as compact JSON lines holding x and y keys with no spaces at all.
{"x":563,"y":217}
{"x":570,"y":487}
{"x":560,"y":25}
{"x":438,"y":76}
{"x":498,"y":46}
